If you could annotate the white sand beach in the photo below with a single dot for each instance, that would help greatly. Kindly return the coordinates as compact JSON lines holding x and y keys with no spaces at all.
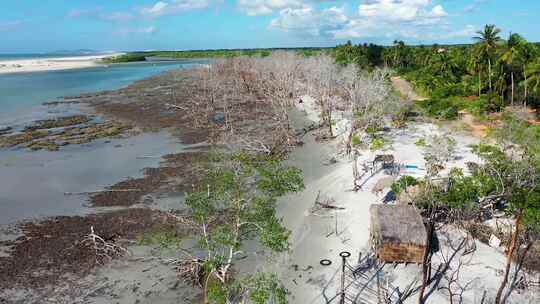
{"x":314,"y":235}
{"x":52,"y":64}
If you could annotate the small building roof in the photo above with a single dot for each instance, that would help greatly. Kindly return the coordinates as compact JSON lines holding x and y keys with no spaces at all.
{"x":400,"y":224}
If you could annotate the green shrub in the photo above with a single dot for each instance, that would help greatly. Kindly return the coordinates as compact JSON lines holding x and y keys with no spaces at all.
{"x":477,"y":107}
{"x":402,"y":183}
{"x":130,"y":57}
{"x":356,"y":141}
{"x":421,"y":142}
{"x":446,"y":108}
{"x":378,"y":143}
{"x":494,"y":102}
{"x":450,"y":90}
{"x":373,"y":130}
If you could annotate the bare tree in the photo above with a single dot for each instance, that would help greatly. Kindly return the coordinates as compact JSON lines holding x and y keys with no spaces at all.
{"x":322,"y":79}
{"x":462,"y":252}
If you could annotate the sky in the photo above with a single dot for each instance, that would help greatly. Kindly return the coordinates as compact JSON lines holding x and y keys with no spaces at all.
{"x":127,"y":25}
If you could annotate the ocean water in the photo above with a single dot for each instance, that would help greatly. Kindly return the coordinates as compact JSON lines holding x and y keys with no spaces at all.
{"x":21,"y":95}
{"x":32,"y":184}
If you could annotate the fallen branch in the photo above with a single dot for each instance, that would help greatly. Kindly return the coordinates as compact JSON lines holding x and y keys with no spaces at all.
{"x":328,"y":206}
{"x":103,"y":250}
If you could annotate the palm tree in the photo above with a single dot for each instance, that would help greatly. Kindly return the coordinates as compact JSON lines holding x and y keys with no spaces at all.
{"x":528,"y":53}
{"x":511,"y":55}
{"x":487,"y":40}
{"x":532,"y":72}
{"x":475,"y":66}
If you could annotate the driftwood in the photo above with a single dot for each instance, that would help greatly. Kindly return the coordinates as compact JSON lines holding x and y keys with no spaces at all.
{"x":326,"y":204}
{"x":103,"y":250}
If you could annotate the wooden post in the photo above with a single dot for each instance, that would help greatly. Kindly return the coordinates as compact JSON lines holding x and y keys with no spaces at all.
{"x":378,"y":288}
{"x":343,"y":260}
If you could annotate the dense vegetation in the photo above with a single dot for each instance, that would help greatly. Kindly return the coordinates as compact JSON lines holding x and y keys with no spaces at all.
{"x":234,"y":204}
{"x":483,"y":77}
{"x":226,"y":53}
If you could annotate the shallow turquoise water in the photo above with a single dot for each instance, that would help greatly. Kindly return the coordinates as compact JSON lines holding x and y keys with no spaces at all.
{"x":32,"y":184}
{"x":22,"y":94}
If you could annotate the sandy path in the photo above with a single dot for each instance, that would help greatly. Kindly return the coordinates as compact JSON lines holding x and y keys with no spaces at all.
{"x":313,"y":234}
{"x":405,"y":89}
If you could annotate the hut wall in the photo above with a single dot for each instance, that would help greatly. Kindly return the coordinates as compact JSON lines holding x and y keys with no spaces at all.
{"x":400,"y":253}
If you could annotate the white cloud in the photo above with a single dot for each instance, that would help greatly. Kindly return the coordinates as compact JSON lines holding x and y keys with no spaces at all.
{"x":174,"y":7}
{"x":98,"y":13}
{"x":142,"y":30}
{"x":88,"y":12}
{"x":309,"y":21}
{"x":468,"y":31}
{"x":387,"y":19}
{"x":401,"y":10}
{"x":158,"y":9}
{"x":474,"y":5}
{"x":437,"y":12}
{"x":118,"y":16}
{"x":265,"y":7}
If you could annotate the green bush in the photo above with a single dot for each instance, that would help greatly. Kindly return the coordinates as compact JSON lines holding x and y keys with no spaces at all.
{"x":421,"y":142}
{"x":356,"y":141}
{"x":447,"y":91}
{"x":130,"y":57}
{"x":378,"y":143}
{"x":446,"y":108}
{"x":493,"y":102}
{"x":477,"y":107}
{"x":402,"y":183}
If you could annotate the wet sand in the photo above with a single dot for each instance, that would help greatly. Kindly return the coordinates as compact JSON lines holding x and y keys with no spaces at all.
{"x":32,"y":184}
{"x":111,"y":163}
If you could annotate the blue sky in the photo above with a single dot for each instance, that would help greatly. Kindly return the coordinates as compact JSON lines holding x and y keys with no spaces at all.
{"x":41,"y":26}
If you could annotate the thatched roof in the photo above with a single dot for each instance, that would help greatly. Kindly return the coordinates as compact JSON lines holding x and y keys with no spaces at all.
{"x":401,"y":224}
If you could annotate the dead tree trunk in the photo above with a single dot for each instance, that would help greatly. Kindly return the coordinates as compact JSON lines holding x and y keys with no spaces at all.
{"x":512,"y":249}
{"x":426,"y":265}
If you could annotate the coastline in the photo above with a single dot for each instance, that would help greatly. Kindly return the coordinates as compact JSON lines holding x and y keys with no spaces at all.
{"x":148,"y":105}
{"x":145,"y":105}
{"x":52,"y":64}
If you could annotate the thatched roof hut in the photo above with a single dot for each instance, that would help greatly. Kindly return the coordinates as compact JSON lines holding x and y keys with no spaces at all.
{"x":398,"y":233}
